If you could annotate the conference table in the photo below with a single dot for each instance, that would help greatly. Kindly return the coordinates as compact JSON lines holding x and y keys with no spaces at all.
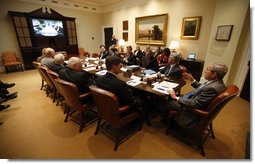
{"x":96,"y":67}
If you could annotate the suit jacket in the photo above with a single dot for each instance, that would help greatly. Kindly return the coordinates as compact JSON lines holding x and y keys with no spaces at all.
{"x":56,"y":67}
{"x":175,"y":72}
{"x":131,"y":60}
{"x":111,"y":83}
{"x":200,"y":99}
{"x":150,"y":64}
{"x":139,"y":54}
{"x":104,"y":55}
{"x":81,"y":79}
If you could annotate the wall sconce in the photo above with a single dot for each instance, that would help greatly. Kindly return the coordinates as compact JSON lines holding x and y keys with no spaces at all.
{"x":174,"y":46}
{"x":122,"y":44}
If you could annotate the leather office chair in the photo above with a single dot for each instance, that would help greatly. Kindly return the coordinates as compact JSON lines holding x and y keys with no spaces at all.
{"x":36,"y":64}
{"x":196,"y":136}
{"x":109,"y":110}
{"x":73,"y":102}
{"x":10,"y":59}
{"x":50,"y":85}
{"x":95,"y":55}
{"x":60,"y":98}
{"x":82,"y":52}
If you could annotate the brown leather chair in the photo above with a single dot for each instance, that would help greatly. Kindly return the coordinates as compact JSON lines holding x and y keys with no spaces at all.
{"x":95,"y":55}
{"x":50,"y":88}
{"x":109,"y":110}
{"x":82,"y":52}
{"x":10,"y":59}
{"x":73,"y":102}
{"x":60,"y":98}
{"x":36,"y":64}
{"x":196,"y":136}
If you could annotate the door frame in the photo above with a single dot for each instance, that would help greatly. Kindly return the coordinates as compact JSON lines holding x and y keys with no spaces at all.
{"x":244,"y":68}
{"x":107,"y":26}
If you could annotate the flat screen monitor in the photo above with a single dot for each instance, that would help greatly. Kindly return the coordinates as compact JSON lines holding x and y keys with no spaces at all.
{"x":47,"y":27}
{"x":191,"y":56}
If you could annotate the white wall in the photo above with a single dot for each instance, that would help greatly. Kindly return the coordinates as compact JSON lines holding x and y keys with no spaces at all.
{"x":88,"y":25}
{"x":228,"y":12}
{"x":176,"y":9}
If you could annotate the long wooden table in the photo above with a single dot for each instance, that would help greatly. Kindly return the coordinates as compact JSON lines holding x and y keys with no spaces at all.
{"x":125,"y":76}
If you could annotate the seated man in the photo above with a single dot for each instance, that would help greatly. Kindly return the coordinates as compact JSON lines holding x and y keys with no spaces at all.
{"x":110,"y":81}
{"x":48,"y":60}
{"x":74,"y":74}
{"x":59,"y":61}
{"x":149,"y":62}
{"x":130,"y":58}
{"x":199,"y":97}
{"x":172,"y":69}
{"x":103,"y":53}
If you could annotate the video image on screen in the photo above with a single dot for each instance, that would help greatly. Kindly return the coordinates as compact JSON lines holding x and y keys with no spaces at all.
{"x":47,"y":27}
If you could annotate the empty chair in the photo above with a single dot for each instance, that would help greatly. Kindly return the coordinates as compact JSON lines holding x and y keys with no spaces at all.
{"x":95,"y":55}
{"x":82,"y":52}
{"x":74,"y":104}
{"x":10,"y":59}
{"x":109,"y":110}
{"x":196,"y":136}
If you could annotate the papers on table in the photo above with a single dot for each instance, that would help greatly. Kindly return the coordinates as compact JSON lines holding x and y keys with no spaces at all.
{"x":100,"y":73}
{"x":91,"y":59}
{"x":133,"y":67}
{"x":149,"y":71}
{"x":164,"y":87}
{"x":123,"y":69}
{"x":90,"y":65}
{"x":89,"y":69}
{"x":135,"y":80}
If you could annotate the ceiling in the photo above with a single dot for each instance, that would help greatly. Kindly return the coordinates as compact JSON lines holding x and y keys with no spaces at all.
{"x":85,"y":5}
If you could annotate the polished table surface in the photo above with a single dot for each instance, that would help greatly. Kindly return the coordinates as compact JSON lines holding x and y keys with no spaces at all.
{"x":125,"y":76}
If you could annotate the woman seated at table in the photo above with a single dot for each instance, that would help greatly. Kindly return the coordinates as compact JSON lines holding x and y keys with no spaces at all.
{"x":130,"y":58}
{"x":163,"y":58}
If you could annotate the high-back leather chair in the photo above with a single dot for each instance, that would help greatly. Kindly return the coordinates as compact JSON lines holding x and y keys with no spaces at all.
{"x":36,"y":64}
{"x":10,"y":59}
{"x":109,"y":110}
{"x":196,"y":136}
{"x":53,"y":76}
{"x":73,"y":102}
{"x":95,"y":55}
{"x":50,"y":85}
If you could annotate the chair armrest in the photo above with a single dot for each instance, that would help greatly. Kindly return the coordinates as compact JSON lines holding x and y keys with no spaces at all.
{"x":200,"y":112}
{"x":85,"y":95}
{"x":123,"y":108}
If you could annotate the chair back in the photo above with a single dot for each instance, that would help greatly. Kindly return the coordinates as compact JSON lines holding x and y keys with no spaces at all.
{"x":53,"y":75}
{"x":107,"y":104}
{"x":95,"y":55}
{"x":9,"y":57}
{"x":217,"y":104}
{"x":46,"y":76}
{"x":71,"y":94}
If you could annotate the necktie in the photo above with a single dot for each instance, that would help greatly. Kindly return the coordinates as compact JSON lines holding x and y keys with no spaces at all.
{"x":168,"y":72}
{"x":192,"y":93}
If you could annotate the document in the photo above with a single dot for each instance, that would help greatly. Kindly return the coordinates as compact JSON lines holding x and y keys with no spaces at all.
{"x":89,"y":69}
{"x":149,"y":71}
{"x":100,"y":73}
{"x":164,"y":87}
{"x":133,"y":82}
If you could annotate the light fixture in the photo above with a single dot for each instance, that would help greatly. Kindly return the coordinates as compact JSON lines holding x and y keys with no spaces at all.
{"x":174,"y":46}
{"x":122,"y":44}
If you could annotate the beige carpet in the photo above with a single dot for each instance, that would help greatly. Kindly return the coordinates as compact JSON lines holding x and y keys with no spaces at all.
{"x":34,"y":128}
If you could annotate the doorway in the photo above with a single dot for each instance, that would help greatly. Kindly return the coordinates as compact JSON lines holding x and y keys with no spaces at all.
{"x":108,"y":31}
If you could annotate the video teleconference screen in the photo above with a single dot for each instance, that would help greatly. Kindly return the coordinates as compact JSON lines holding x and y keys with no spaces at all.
{"x":47,"y":27}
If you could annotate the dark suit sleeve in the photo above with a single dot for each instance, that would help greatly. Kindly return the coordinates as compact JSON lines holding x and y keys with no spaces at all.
{"x":201,"y":100}
{"x":125,"y":94}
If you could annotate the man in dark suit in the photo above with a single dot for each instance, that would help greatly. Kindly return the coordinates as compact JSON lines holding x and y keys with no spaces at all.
{"x":172,"y":69}
{"x":149,"y":62}
{"x":138,"y":54}
{"x":110,"y":82}
{"x":104,"y":53}
{"x":199,"y":97}
{"x":59,"y":60}
{"x":130,"y":58}
{"x":113,"y":40}
{"x":74,"y":73}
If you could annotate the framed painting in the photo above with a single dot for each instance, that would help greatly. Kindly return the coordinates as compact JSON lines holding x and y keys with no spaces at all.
{"x":125,"y":36}
{"x":151,"y":30}
{"x":224,"y":33}
{"x":125,"y":25}
{"x":191,"y":27}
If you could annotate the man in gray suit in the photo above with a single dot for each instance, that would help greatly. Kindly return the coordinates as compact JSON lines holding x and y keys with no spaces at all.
{"x":199,"y":97}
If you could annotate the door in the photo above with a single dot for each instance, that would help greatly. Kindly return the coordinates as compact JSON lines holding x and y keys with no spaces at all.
{"x":245,"y":93}
{"x":108,"y":36}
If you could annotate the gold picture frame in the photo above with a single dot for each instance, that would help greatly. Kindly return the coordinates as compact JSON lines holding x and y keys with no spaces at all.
{"x":191,"y":27}
{"x":151,"y":30}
